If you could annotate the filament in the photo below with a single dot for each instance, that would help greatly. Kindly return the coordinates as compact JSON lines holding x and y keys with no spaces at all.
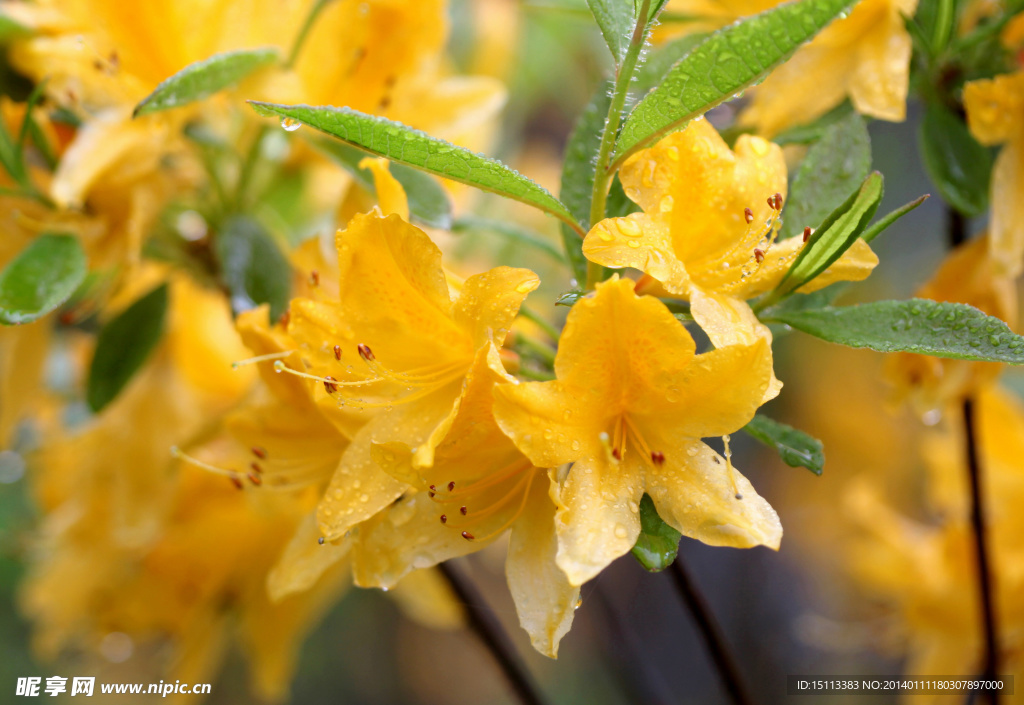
{"x":261,"y":358}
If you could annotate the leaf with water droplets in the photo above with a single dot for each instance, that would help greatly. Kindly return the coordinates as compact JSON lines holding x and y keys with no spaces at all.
{"x":123,"y":345}
{"x":950,"y":330}
{"x":616,"y":20}
{"x":40,"y":278}
{"x":204,"y":78}
{"x":658,"y":543}
{"x":833,"y":168}
{"x":724,"y":65}
{"x":402,"y":144}
{"x":796,"y":448}
{"x":958,"y":166}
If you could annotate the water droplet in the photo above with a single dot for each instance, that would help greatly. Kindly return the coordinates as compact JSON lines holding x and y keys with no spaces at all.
{"x":620,"y":531}
{"x":628,"y":227}
{"x":290,"y":124}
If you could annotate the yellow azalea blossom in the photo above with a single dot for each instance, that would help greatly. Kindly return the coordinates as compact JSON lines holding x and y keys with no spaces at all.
{"x":707,"y":230}
{"x":969,"y":275}
{"x":628,"y":410}
{"x":865,"y":57}
{"x":478,"y":486}
{"x":395,"y":342}
{"x":995,"y":115}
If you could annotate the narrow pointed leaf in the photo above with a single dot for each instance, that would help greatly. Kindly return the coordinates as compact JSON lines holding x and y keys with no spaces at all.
{"x":661,"y":59}
{"x":834,"y":236}
{"x":956,"y":163}
{"x":123,"y":345}
{"x":727,"y":63}
{"x":510,"y":231}
{"x":950,"y":330}
{"x":402,"y":144}
{"x":253,"y":268}
{"x":616,"y":20}
{"x":40,"y":278}
{"x":812,"y":132}
{"x":833,"y":168}
{"x":796,"y":448}
{"x":879,"y":226}
{"x":658,"y":543}
{"x":204,"y":78}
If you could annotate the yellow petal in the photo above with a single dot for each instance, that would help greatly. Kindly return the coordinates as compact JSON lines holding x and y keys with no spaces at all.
{"x":716,"y":394}
{"x":1006,"y":227}
{"x":545,"y":600}
{"x":640,"y":242}
{"x":303,"y":561}
{"x":994,"y":107}
{"x":390,"y":194}
{"x":878,"y":86}
{"x":489,"y":302}
{"x":729,"y":321}
{"x":693,"y":493}
{"x":22,"y":354}
{"x":425,"y":597}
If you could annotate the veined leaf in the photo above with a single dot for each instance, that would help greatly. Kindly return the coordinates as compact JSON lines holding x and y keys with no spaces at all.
{"x":123,"y":346}
{"x":204,"y":78}
{"x":40,"y":278}
{"x":402,"y":144}
{"x":833,"y":168}
{"x":578,"y":170}
{"x":510,"y":231}
{"x":833,"y":237}
{"x":661,"y":59}
{"x":658,"y":543}
{"x":616,"y":20}
{"x":812,"y":132}
{"x":724,"y":65}
{"x":956,"y":163}
{"x":796,"y":448}
{"x":253,"y":267}
{"x":951,"y":330}
{"x":429,"y":204}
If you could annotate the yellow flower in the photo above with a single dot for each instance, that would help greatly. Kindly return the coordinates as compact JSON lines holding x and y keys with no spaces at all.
{"x":397,"y":344}
{"x":995,"y":115}
{"x":969,"y":275}
{"x":707,"y":230}
{"x":478,"y":486}
{"x":628,"y":410}
{"x":865,"y":57}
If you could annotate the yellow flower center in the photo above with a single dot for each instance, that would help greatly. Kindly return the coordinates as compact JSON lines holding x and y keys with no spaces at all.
{"x":470,"y":508}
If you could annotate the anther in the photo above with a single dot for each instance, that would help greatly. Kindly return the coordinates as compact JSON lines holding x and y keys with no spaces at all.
{"x":329,"y":384}
{"x":259,"y":452}
{"x":468,"y":536}
{"x":777,"y":201}
{"x":256,"y":468}
{"x":433,"y":488}
{"x":657,"y":457}
{"x":431,"y":494}
{"x":616,"y":453}
{"x":451,"y":485}
{"x":444,"y":519}
{"x":807,"y":232}
{"x":366,"y":353}
{"x":759,"y":255}
{"x":320,"y":540}
{"x":314,"y":278}
{"x":285,"y":318}
{"x":337,"y":352}
{"x":748,"y":215}
{"x":237,"y":483}
{"x":463,"y":510}
{"x":255,"y":479}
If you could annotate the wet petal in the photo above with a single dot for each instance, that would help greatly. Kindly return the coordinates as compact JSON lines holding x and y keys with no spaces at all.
{"x":425,"y":597}
{"x":994,"y":106}
{"x":489,"y":302}
{"x":879,"y":84}
{"x":390,"y":194}
{"x":1006,"y":228}
{"x":303,"y":561}
{"x":640,"y":242}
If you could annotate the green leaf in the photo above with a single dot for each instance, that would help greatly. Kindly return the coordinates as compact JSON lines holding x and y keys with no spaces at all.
{"x":723,"y":66}
{"x":253,"y":268}
{"x":661,"y":59}
{"x":578,"y":170}
{"x":888,"y":219}
{"x":10,"y":29}
{"x":40,"y":278}
{"x":958,"y":166}
{"x":833,"y":168}
{"x":658,"y":543}
{"x":951,"y":330}
{"x":616,"y":20}
{"x":405,"y":145}
{"x":429,"y":204}
{"x":833,"y":237}
{"x":510,"y":231}
{"x":796,"y":448}
{"x":813,"y":131}
{"x":123,"y":345}
{"x":204,"y":78}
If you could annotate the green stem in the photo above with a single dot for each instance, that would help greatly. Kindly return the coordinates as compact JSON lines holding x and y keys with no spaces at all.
{"x":300,"y":39}
{"x":602,"y":176}
{"x":542,"y":323}
{"x":542,"y":351}
{"x":248,"y":167}
{"x":943,"y":26}
{"x":535,"y":375}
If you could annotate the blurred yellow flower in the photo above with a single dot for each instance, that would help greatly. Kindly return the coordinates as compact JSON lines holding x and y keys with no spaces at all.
{"x":994,"y":109}
{"x":414,"y":346}
{"x":628,"y":410}
{"x":865,"y":57}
